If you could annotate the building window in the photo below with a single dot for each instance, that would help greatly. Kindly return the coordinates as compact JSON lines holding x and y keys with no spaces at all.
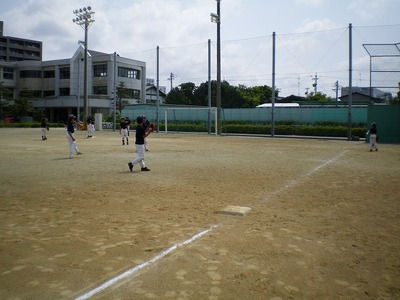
{"x":64,"y":91}
{"x":100,"y":90}
{"x":48,"y":93}
{"x":49,"y":74}
{"x":64,"y":73}
{"x":37,"y":94}
{"x":134,"y":94}
{"x":128,"y":73}
{"x":30,"y":74}
{"x":8,"y":73}
{"x":100,"y":70}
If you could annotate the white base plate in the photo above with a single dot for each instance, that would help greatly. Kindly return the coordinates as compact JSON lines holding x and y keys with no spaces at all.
{"x":235,"y":210}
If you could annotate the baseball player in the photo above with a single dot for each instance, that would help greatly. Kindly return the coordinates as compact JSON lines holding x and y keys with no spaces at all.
{"x":141,"y":134}
{"x":373,"y":137}
{"x":123,"y":130}
{"x":90,"y":126}
{"x":128,"y":124}
{"x":45,"y":127}
{"x":146,"y":124}
{"x":70,"y":136}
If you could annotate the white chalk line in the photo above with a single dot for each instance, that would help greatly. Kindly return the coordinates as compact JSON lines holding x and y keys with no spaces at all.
{"x":135,"y":269}
{"x":294,"y":182}
{"x":141,"y":266}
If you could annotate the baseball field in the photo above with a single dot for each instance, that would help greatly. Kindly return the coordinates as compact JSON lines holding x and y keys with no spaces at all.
{"x":323,"y":219}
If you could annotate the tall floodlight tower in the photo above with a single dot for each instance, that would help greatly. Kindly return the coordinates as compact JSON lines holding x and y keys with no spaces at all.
{"x":216,"y":18}
{"x":84,"y":18}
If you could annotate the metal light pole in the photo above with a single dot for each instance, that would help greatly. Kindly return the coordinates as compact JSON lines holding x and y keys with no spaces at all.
{"x":115,"y":93}
{"x":84,"y":18}
{"x":216,"y":18}
{"x":209,"y":87}
{"x":350,"y":116}
{"x":158,"y":90}
{"x":273,"y":84}
{"x":79,"y":90}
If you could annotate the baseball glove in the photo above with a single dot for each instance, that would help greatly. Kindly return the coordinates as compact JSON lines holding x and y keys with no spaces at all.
{"x":47,"y":128}
{"x":151,"y":127}
{"x":80,"y":125}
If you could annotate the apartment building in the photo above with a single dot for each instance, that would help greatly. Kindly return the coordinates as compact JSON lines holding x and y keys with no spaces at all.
{"x":18,"y":49}
{"x":58,"y":85}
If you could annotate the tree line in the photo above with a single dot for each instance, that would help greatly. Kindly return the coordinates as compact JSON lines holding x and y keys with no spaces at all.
{"x":231,"y":96}
{"x":187,"y":93}
{"x":239,"y":96}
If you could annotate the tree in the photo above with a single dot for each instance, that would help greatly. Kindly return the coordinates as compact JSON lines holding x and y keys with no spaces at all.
{"x":23,"y":105}
{"x":231,"y":96}
{"x":256,"y":95}
{"x":201,"y":94}
{"x":122,"y":92}
{"x":183,"y":94}
{"x":396,"y":100}
{"x":188,"y":92}
{"x":5,"y":97}
{"x":318,"y":96}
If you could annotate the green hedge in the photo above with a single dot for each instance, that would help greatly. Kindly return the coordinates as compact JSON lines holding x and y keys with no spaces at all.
{"x":28,"y":125}
{"x":236,"y":127}
{"x":302,"y":130}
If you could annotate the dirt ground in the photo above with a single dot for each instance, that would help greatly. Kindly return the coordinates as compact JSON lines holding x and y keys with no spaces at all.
{"x":324,"y":220}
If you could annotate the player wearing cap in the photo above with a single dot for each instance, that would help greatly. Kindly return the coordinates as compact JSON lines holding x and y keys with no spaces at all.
{"x":70,"y":136}
{"x":141,"y":134}
{"x":373,"y":137}
{"x":123,"y":130}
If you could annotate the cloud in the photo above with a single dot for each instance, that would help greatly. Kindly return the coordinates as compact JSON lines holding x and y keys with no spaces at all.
{"x":310,"y":25}
{"x":315,"y":41}
{"x":368,"y":10}
{"x":309,"y":2}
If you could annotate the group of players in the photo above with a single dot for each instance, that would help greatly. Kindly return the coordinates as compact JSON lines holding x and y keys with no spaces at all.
{"x":143,"y":129}
{"x":124,"y":127}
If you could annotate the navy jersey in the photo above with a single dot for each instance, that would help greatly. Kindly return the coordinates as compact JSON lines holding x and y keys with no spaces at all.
{"x":373,"y":129}
{"x":70,"y":127}
{"x":140,"y":132}
{"x":123,"y":125}
{"x":44,"y":123}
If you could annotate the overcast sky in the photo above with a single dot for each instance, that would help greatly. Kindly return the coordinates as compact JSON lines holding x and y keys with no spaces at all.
{"x":312,"y":38}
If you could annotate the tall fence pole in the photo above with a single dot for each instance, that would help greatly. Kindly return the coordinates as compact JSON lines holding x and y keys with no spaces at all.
{"x":273,"y":87}
{"x":158,"y":89}
{"x":209,"y":87}
{"x":350,"y":120}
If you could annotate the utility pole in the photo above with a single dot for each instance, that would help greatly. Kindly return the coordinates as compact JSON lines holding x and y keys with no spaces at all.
{"x":336,"y":90}
{"x":171,"y":78}
{"x":298,"y":85}
{"x":315,"y":84}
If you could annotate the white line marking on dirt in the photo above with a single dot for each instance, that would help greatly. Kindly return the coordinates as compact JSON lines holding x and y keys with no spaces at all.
{"x":141,"y":266}
{"x":135,"y":269}
{"x":294,"y":182}
{"x":326,"y":163}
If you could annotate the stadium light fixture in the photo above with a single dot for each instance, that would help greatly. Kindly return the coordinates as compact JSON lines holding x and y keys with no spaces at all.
{"x":84,"y":18}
